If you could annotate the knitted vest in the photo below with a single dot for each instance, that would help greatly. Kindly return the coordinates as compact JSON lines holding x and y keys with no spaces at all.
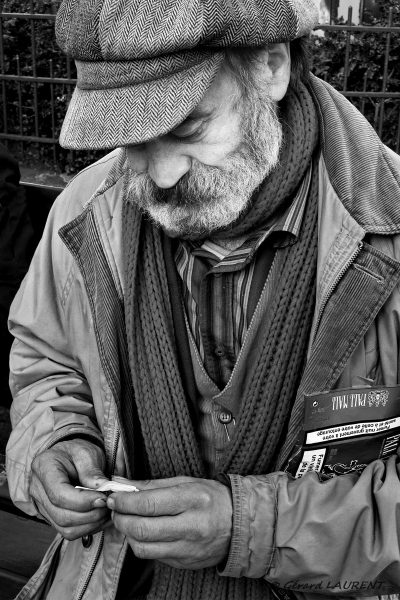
{"x":167,"y":429}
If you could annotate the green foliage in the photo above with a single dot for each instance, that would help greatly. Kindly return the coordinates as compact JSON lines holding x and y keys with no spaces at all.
{"x":368,"y":60}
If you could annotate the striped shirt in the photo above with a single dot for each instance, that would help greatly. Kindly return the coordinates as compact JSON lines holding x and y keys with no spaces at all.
{"x":221,"y":286}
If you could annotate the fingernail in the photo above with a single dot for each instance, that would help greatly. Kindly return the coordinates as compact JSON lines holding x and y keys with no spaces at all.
{"x":110,"y":503}
{"x":100,"y":502}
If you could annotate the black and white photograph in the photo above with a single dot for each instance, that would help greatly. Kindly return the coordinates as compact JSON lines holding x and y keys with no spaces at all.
{"x":199,"y":299}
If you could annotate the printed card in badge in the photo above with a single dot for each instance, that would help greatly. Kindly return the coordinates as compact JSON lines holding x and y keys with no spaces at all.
{"x":345,"y":430}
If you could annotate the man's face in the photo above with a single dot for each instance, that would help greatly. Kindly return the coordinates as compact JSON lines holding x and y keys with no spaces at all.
{"x":201,"y":176}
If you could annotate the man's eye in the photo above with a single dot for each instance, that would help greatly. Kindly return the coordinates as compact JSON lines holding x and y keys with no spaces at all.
{"x":188,"y":130}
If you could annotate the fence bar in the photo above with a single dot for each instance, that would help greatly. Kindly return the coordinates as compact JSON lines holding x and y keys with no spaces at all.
{"x":31,"y":79}
{"x":376,"y":116}
{"x":332,"y":10}
{"x":387,"y":95}
{"x":34,"y":72}
{"x":359,"y":28}
{"x":68,"y":62}
{"x":3,"y":83}
{"x":28,"y":16}
{"x":28,"y":138}
{"x":347,"y":53}
{"x":385,"y":72}
{"x":19,"y":90}
{"x":364,"y":91}
{"x":362,"y":8}
{"x":53,"y":115}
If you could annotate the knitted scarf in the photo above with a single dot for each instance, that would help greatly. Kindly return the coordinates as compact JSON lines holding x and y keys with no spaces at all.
{"x":169,"y":440}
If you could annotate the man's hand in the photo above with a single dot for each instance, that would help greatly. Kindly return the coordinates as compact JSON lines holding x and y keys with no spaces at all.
{"x":183,"y":522}
{"x":55,"y":472}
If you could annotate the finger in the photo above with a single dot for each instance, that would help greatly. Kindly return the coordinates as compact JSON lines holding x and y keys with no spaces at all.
{"x":73,"y":531}
{"x":119,"y":479}
{"x":56,"y":486}
{"x":152,"y":484}
{"x":92,"y":477}
{"x":89,"y":462}
{"x":157,"y":502}
{"x":156,"y":529}
{"x":64,"y":516}
{"x":159,"y":550}
{"x":179,"y":555}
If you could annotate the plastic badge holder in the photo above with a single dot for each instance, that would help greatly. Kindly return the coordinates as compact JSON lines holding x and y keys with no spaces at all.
{"x":345,"y":430}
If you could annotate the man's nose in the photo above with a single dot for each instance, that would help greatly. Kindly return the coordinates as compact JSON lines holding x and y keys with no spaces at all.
{"x":166,"y":164}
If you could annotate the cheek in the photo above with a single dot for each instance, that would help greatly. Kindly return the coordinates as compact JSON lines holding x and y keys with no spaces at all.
{"x":137,"y":158}
{"x":216,"y":154}
{"x":221,"y":142}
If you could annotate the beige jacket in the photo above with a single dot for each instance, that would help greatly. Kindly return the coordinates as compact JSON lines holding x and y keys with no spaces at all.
{"x":295,"y":533}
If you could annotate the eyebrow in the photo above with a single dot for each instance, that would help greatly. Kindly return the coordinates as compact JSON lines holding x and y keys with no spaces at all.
{"x":196,"y":115}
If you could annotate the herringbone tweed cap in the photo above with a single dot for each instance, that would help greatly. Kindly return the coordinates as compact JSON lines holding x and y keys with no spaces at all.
{"x":143,"y":65}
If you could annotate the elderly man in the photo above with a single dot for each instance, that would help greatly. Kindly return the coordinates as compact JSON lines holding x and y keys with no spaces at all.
{"x":236,"y":253}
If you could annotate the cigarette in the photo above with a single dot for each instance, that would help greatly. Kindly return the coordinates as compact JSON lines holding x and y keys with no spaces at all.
{"x":110,"y":487}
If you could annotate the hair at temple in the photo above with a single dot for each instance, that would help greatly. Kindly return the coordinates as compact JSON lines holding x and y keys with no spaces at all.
{"x":242,"y":63}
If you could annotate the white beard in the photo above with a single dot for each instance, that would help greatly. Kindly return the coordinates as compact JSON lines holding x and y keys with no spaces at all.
{"x":207,"y":198}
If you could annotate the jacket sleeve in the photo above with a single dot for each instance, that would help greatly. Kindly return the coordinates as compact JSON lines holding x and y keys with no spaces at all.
{"x":341,"y":536}
{"x":52,"y":397}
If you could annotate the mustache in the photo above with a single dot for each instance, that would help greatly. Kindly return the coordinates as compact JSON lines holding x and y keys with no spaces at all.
{"x":190,"y":188}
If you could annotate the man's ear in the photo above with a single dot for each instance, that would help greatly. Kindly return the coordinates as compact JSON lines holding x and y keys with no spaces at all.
{"x":278,"y":70}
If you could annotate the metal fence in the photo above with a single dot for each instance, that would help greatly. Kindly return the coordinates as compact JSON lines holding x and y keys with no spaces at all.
{"x":379,"y":96}
{"x":37,"y":80}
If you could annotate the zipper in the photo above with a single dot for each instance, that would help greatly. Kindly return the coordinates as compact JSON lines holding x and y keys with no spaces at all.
{"x":115,"y":449}
{"x":101,"y":542}
{"x":92,"y":568}
{"x":71,"y":248}
{"x":334,"y":284}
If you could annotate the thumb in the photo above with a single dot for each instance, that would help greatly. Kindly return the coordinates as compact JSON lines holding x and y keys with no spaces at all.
{"x":90,"y":463}
{"x":93,"y":477}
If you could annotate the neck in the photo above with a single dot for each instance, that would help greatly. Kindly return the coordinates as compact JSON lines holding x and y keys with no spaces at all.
{"x":228,"y":244}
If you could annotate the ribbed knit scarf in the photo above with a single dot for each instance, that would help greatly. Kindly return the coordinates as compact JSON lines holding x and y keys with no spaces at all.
{"x":169,"y":439}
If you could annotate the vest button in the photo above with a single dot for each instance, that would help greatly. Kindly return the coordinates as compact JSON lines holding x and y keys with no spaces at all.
{"x":225,"y":417}
{"x":219,"y":351}
{"x":87,"y":540}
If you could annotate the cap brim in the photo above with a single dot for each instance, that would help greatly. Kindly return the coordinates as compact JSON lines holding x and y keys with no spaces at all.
{"x":108,"y":118}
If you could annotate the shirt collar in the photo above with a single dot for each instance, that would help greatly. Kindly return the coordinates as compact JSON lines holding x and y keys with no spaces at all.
{"x":289,"y":223}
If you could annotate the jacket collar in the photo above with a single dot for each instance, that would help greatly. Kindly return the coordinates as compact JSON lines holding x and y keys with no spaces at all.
{"x":364,"y":173}
{"x":359,"y":187}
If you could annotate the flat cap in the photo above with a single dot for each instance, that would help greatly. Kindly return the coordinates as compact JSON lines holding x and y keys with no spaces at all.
{"x":143,"y":65}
